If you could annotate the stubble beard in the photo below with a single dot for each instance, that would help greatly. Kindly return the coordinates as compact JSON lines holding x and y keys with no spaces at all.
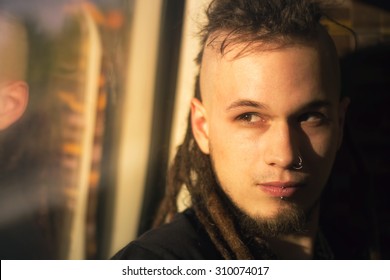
{"x":290,"y":218}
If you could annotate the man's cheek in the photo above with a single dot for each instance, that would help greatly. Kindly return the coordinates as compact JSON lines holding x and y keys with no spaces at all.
{"x":324,"y":145}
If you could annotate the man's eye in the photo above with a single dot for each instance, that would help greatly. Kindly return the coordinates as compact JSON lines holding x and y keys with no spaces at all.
{"x":313,"y":118}
{"x":249,"y":118}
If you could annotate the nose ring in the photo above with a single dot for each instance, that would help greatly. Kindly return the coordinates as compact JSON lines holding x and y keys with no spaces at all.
{"x":299,"y":165}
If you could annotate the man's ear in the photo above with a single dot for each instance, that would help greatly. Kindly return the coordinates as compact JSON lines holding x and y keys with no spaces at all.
{"x":13,"y":103}
{"x":343,"y":107}
{"x":199,"y":124}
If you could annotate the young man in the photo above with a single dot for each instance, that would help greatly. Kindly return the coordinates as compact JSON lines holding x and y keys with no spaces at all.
{"x":265,"y":126}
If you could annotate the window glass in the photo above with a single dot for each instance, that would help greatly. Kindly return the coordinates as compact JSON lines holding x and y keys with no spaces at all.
{"x":61,"y":71}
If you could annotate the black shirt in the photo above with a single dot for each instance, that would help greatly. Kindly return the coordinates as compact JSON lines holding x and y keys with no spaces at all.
{"x":186,"y":239}
{"x":182,"y":239}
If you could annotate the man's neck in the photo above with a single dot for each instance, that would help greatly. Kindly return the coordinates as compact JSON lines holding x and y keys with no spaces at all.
{"x":299,"y":245}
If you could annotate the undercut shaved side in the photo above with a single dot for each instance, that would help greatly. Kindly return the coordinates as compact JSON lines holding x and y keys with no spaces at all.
{"x":13,"y":46}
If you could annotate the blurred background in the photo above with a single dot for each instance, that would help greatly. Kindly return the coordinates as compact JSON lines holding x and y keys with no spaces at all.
{"x":110,"y":82}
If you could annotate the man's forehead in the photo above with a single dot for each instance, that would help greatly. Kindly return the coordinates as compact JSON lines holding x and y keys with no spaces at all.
{"x":215,"y":58}
{"x":221,"y":45}
{"x":215,"y":63}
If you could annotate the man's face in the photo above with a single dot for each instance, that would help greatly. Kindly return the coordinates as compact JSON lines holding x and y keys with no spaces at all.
{"x":260,"y":113}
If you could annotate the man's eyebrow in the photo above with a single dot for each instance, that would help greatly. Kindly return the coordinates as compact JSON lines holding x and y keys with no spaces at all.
{"x":317,"y":104}
{"x":258,"y":105}
{"x":246,"y":103}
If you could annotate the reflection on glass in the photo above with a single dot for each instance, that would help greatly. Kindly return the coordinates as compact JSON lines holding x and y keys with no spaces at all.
{"x":63,"y":53}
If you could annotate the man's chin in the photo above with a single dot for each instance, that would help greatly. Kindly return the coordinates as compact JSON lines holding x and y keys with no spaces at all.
{"x":287,"y":219}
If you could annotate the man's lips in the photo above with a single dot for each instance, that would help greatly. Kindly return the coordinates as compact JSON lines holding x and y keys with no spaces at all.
{"x":280,"y":189}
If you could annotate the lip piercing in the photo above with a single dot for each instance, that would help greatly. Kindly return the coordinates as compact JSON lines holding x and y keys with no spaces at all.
{"x":299,"y":165}
{"x":282,"y":197}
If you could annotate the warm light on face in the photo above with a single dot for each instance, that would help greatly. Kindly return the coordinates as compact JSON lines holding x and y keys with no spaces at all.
{"x":260,"y":113}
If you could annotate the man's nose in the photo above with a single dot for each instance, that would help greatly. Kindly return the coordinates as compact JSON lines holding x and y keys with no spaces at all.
{"x":281,"y":148}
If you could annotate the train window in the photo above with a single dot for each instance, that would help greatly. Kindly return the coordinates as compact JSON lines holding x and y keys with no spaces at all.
{"x":61,"y":78}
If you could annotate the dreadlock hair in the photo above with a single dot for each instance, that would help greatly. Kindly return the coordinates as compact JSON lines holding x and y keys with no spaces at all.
{"x":237,"y":21}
